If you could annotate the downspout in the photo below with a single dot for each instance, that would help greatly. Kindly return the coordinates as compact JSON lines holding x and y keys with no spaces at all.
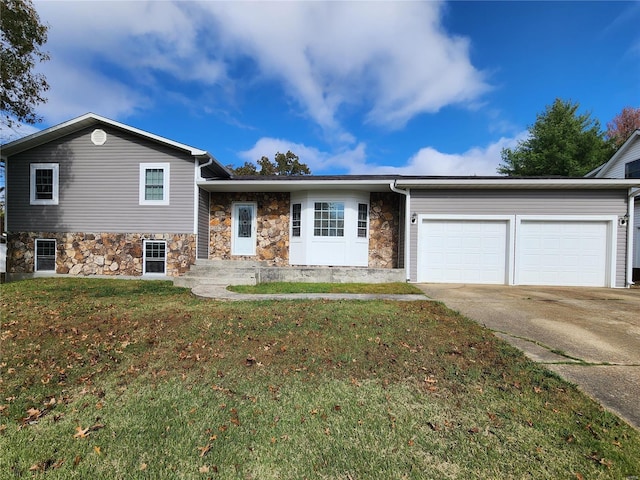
{"x":407,"y":226}
{"x":633,"y":193}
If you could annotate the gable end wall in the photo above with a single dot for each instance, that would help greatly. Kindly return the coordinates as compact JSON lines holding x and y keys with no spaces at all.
{"x":99,"y":186}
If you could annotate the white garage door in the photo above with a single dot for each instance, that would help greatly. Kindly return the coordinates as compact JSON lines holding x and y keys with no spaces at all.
{"x":463,"y":251}
{"x":561,"y":253}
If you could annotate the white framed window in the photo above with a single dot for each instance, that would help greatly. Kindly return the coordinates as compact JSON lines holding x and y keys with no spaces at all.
{"x":45,"y":255}
{"x":155,"y":257}
{"x":363,"y":218}
{"x":154,"y":184}
{"x":44,"y":183}
{"x":296,"y":219}
{"x":328,"y":219}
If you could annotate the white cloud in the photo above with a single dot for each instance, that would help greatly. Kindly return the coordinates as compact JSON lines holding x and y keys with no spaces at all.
{"x":394,"y":57}
{"x":392,"y":60}
{"x":319,"y":162}
{"x":481,"y":161}
{"x":107,"y":56}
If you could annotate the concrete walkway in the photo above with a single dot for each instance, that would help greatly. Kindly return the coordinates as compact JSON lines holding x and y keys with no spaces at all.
{"x":588,"y":336}
{"x":220,"y":292}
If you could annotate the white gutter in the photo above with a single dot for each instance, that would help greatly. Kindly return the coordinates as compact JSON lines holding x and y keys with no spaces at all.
{"x":407,"y":227}
{"x":506,"y":182}
{"x":633,"y":193}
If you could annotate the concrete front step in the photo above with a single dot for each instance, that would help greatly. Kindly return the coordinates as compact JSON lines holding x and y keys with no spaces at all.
{"x":246,"y":272}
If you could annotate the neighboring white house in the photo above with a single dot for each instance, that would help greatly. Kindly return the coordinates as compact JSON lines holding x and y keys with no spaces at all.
{"x":626,"y":164}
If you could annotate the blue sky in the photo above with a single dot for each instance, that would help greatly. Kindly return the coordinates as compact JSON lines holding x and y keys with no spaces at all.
{"x":419,"y":88}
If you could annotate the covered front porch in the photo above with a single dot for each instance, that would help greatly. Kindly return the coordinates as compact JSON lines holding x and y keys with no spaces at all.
{"x":302,"y":222}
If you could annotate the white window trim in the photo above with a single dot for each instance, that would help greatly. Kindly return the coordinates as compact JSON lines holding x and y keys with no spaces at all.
{"x":165,"y":183}
{"x":56,"y":180}
{"x":144,"y":258}
{"x":366,"y":236}
{"x":35,"y":256}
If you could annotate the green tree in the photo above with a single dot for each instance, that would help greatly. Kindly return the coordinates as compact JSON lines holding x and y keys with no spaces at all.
{"x":22,"y":38}
{"x":623,"y":125}
{"x":283,"y":164}
{"x":561,"y":142}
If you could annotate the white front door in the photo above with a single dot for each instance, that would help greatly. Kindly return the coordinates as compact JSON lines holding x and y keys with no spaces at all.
{"x":243,"y":224}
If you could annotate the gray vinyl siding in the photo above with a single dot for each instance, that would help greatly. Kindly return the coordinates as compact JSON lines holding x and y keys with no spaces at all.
{"x":99,"y":186}
{"x":522,"y":202}
{"x":203,"y":224}
{"x":617,"y":170}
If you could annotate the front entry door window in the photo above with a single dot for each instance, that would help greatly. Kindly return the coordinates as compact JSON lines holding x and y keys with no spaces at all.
{"x":244,"y":229}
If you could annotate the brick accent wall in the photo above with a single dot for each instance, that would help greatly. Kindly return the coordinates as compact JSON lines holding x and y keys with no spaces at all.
{"x":99,"y":253}
{"x":272,"y":226}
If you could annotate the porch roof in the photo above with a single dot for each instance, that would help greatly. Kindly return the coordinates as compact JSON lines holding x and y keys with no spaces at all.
{"x":386,"y":183}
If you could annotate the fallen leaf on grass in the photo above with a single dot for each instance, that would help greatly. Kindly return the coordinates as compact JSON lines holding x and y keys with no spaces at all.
{"x":601,"y":460}
{"x":81,"y":432}
{"x":143,"y":466}
{"x":97,"y":450}
{"x":33,"y":415}
{"x":204,"y":469}
{"x":204,"y":450}
{"x":85,"y":432}
{"x":46,"y":465}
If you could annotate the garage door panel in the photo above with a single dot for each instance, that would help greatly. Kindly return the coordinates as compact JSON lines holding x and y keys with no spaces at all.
{"x":455,"y":251}
{"x":561,"y":253}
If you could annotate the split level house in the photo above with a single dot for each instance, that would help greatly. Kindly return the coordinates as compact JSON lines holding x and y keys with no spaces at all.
{"x":93,"y":196}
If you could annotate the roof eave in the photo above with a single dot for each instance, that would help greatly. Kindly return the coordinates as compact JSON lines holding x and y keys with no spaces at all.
{"x":83,"y":121}
{"x":293,"y":185}
{"x":527,"y":183}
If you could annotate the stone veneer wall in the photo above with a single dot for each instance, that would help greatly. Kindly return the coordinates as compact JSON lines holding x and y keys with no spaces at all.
{"x":99,"y":253}
{"x":384,"y":230}
{"x":272,"y":226}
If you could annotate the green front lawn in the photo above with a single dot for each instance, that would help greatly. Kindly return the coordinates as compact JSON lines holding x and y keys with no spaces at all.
{"x":397,"y":288}
{"x":133,"y":379}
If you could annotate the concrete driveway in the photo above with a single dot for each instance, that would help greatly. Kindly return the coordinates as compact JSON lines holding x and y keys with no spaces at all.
{"x":589,"y":336}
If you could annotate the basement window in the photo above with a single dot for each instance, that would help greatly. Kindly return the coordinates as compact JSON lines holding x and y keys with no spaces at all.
{"x":45,"y":255}
{"x":155,"y":257}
